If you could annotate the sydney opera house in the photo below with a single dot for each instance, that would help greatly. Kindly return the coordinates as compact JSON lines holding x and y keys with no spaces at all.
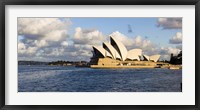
{"x":116,"y":55}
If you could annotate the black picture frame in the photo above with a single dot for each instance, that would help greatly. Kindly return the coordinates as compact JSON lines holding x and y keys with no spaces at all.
{"x":98,"y":2}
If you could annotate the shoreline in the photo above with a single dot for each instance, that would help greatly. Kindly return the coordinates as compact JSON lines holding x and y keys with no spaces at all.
{"x":116,"y":67}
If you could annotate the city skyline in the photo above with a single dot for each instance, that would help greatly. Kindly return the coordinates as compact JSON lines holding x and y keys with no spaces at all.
{"x":50,"y":39}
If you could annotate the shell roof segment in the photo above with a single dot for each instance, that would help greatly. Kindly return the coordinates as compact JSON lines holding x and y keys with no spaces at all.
{"x":154,"y":58}
{"x":112,"y":50}
{"x":121,"y":49}
{"x":102,"y":51}
{"x":134,"y":54}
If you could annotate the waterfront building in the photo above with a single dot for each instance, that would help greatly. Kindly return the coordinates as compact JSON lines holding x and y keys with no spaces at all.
{"x":115,"y":55}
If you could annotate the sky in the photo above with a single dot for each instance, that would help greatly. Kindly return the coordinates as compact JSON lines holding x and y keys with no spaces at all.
{"x":71,"y":39}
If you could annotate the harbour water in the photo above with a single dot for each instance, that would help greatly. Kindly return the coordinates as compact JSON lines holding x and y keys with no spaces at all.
{"x":72,"y":79}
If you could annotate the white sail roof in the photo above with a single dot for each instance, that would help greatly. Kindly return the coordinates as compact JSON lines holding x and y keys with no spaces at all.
{"x":107,"y":54}
{"x":146,"y":57}
{"x":104,"y":52}
{"x":112,"y":50}
{"x":100,"y":50}
{"x":134,"y":54}
{"x":121,"y":49}
{"x":154,"y":58}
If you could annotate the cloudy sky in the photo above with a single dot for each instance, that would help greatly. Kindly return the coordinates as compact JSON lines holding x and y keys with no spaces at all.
{"x":52,"y":39}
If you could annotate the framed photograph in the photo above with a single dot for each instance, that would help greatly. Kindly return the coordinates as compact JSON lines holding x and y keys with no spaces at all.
{"x":103,"y":54}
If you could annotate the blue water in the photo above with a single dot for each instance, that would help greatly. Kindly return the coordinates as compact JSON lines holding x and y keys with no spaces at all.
{"x":72,"y":79}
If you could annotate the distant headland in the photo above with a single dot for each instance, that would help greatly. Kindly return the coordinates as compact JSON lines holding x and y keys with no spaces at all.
{"x":54,"y":63}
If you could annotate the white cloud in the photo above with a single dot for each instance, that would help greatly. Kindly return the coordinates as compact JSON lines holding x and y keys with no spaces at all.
{"x":64,"y":43}
{"x":21,"y":48}
{"x":170,"y":50}
{"x":174,"y":51}
{"x":83,"y":40}
{"x":165,"y":52}
{"x":48,"y":29}
{"x":177,"y":39}
{"x":130,"y":43}
{"x":67,"y":49}
{"x":170,"y":23}
{"x":56,"y":52}
{"x":41,"y":43}
{"x":42,"y":36}
{"x":92,"y":37}
{"x":24,"y":50}
{"x":124,"y":39}
{"x":142,"y":43}
{"x":31,"y":50}
{"x":41,"y":26}
{"x":56,"y":35}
